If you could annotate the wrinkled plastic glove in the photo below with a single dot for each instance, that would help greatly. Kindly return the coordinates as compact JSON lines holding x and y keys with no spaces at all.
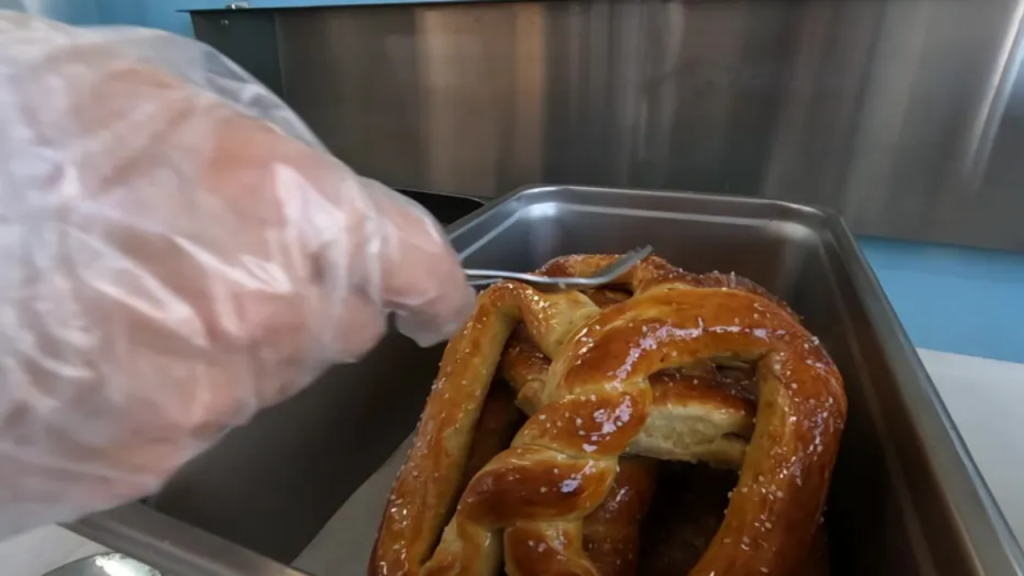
{"x":177,"y":252}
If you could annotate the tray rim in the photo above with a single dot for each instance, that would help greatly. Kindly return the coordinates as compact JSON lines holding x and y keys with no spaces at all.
{"x":973,"y":510}
{"x":178,"y":548}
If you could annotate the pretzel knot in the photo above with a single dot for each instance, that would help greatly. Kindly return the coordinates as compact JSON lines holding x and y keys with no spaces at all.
{"x":528,"y":503}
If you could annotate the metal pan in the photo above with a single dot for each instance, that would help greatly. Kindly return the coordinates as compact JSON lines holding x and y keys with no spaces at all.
{"x":447,"y":208}
{"x":907,"y":498}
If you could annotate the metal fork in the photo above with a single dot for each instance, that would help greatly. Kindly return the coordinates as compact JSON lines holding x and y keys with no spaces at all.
{"x":602,"y":276}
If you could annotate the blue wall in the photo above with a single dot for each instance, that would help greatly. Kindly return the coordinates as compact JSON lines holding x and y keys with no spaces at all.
{"x":167,"y":14}
{"x":954,"y":299}
{"x":151,"y":13}
{"x":74,"y":11}
{"x":124,"y":12}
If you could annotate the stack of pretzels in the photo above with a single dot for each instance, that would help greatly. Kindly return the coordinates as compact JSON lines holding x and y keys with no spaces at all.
{"x":613,"y":391}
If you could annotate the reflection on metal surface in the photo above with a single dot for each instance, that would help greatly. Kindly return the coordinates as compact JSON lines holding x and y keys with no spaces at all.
{"x":105,"y":565}
{"x":903,"y":115}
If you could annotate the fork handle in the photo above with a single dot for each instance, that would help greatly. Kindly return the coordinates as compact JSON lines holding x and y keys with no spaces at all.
{"x":492,"y":276}
{"x":498,"y":274}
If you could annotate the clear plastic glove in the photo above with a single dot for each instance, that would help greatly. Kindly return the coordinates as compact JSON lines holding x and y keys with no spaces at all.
{"x":177,"y":252}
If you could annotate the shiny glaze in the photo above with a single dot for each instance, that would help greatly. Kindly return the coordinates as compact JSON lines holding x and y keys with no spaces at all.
{"x":427,"y":487}
{"x":554,"y":548}
{"x":530,"y":483}
{"x":611,"y":533}
{"x":525,"y":368}
{"x":595,"y":400}
{"x":728,"y":397}
{"x":498,"y":423}
{"x":774,"y":511}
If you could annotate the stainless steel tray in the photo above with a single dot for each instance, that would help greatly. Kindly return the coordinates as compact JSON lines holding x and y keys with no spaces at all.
{"x":907,"y":498}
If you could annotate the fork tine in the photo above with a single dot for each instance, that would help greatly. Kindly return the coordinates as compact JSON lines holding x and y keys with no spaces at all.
{"x":629,"y":259}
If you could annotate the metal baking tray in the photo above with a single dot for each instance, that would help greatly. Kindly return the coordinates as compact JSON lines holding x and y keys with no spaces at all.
{"x":447,"y":208}
{"x":907,"y":499}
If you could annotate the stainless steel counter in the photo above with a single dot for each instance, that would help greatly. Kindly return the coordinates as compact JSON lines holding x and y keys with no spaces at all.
{"x":904,"y":115}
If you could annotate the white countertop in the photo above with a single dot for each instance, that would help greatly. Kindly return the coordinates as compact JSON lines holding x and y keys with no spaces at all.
{"x":986,"y":400}
{"x":984,"y":397}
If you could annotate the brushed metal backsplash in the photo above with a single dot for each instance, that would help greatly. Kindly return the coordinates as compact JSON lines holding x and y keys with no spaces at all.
{"x":904,"y":115}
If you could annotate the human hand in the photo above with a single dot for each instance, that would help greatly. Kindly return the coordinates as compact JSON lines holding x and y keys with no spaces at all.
{"x":179,"y":252}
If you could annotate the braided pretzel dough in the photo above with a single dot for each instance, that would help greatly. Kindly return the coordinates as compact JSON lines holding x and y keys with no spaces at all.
{"x":611,"y":533}
{"x":696,"y":415}
{"x":595,"y":401}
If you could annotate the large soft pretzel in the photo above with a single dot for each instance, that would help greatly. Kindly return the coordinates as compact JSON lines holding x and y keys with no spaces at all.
{"x":594,"y":403}
{"x":697,"y":414}
{"x":611,"y":533}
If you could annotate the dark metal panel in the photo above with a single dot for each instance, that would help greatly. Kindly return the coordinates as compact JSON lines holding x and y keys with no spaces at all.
{"x":247,"y":37}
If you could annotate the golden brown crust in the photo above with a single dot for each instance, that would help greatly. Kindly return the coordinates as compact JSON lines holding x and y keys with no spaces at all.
{"x":773,"y":513}
{"x":525,"y":368}
{"x":605,"y":297}
{"x":427,"y":486}
{"x":722,"y":401}
{"x":611,"y":533}
{"x":554,"y":548}
{"x":498,"y":423}
{"x":650,"y":274}
{"x":724,"y":405}
{"x":595,"y":401}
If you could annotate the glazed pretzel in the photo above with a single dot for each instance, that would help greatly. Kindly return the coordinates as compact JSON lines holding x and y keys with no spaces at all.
{"x":595,"y":401}
{"x":426,"y":488}
{"x":696,"y":414}
{"x":611,"y":533}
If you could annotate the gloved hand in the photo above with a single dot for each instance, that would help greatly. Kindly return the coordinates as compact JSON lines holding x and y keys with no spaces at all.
{"x":177,"y":252}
